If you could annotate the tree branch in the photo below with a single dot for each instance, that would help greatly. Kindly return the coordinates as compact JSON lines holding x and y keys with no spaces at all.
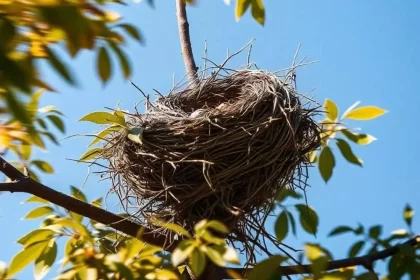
{"x":184,"y":36}
{"x":365,"y":261}
{"x":24,"y":184}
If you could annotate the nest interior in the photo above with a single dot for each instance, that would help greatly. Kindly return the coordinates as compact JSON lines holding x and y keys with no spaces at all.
{"x":220,"y":149}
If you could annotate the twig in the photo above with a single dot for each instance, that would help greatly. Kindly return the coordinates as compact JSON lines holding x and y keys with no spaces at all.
{"x":24,"y":184}
{"x":184,"y":36}
{"x":365,"y":261}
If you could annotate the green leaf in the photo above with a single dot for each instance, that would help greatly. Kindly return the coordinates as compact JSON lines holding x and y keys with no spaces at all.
{"x":218,"y":226}
{"x":265,"y":269}
{"x":136,"y":135}
{"x":375,"y":231}
{"x":331,"y":110}
{"x":292,"y":222}
{"x":316,"y":255}
{"x":169,"y":226}
{"x":408,"y":214}
{"x":281,"y":226}
{"x":59,"y":66}
{"x":308,"y":218}
{"x":77,"y":193}
{"x":103,"y":118}
{"x":32,"y":106}
{"x":58,"y":122}
{"x":216,"y":256}
{"x":91,"y":154}
{"x":361,"y":139}
{"x":124,"y":63}
{"x":326,"y":163}
{"x":97,"y":202}
{"x":365,"y":113}
{"x":45,"y":261}
{"x":25,"y":151}
{"x":25,"y":257}
{"x":131,"y":30}
{"x":17,"y":109}
{"x":182,"y":252}
{"x":39,"y":212}
{"x":36,"y":199}
{"x":241,"y":7}
{"x":197,"y":261}
{"x":347,"y":152}
{"x":258,"y":11}
{"x":356,"y":248}
{"x":286,"y":192}
{"x":103,"y":63}
{"x":43,"y":166}
{"x":35,"y":236}
{"x":339,"y":230}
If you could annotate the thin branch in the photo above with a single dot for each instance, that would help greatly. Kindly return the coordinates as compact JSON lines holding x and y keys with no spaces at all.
{"x":24,"y":184}
{"x":365,"y":261}
{"x":184,"y":37}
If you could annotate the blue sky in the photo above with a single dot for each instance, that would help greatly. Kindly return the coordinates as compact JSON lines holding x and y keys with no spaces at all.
{"x":368,"y":51}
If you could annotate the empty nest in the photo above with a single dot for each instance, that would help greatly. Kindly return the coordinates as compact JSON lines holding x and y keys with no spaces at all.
{"x":219,"y":149}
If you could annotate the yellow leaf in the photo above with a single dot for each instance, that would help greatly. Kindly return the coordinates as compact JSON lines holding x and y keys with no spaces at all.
{"x":241,"y":7}
{"x":112,"y":16}
{"x":365,"y":113}
{"x":331,"y":109}
{"x":258,"y":11}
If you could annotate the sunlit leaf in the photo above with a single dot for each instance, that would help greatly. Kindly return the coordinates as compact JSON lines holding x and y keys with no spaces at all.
{"x":258,"y":11}
{"x":216,"y":256}
{"x":361,"y":139}
{"x":77,"y":193}
{"x":182,"y":252}
{"x":347,"y":152}
{"x":39,"y":212}
{"x":43,"y":166}
{"x":265,"y":269}
{"x":408,"y":214}
{"x":103,"y":118}
{"x":218,"y":226}
{"x":197,"y":261}
{"x":308,"y":218}
{"x":316,"y":255}
{"x":35,"y":236}
{"x":45,"y":261}
{"x":34,"y":198}
{"x":136,"y":134}
{"x":103,"y":63}
{"x":162,"y":274}
{"x":170,"y":226}
{"x":365,"y":113}
{"x":331,"y":110}
{"x":326,"y":163}
{"x":281,"y":226}
{"x":91,"y":154}
{"x":241,"y":7}
{"x":25,"y":257}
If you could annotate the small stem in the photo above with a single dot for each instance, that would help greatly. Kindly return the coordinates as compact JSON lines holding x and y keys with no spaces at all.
{"x":184,"y":37}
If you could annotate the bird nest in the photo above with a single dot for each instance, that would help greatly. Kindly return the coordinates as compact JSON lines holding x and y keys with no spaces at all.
{"x":220,"y":149}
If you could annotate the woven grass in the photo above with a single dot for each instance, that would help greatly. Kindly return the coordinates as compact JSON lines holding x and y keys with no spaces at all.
{"x":221,"y":149}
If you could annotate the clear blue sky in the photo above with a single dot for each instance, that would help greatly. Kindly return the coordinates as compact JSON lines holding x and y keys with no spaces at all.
{"x":368,"y":51}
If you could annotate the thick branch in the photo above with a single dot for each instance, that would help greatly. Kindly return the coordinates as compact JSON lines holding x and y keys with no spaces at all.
{"x":184,"y":36}
{"x":365,"y":261}
{"x":27,"y":185}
